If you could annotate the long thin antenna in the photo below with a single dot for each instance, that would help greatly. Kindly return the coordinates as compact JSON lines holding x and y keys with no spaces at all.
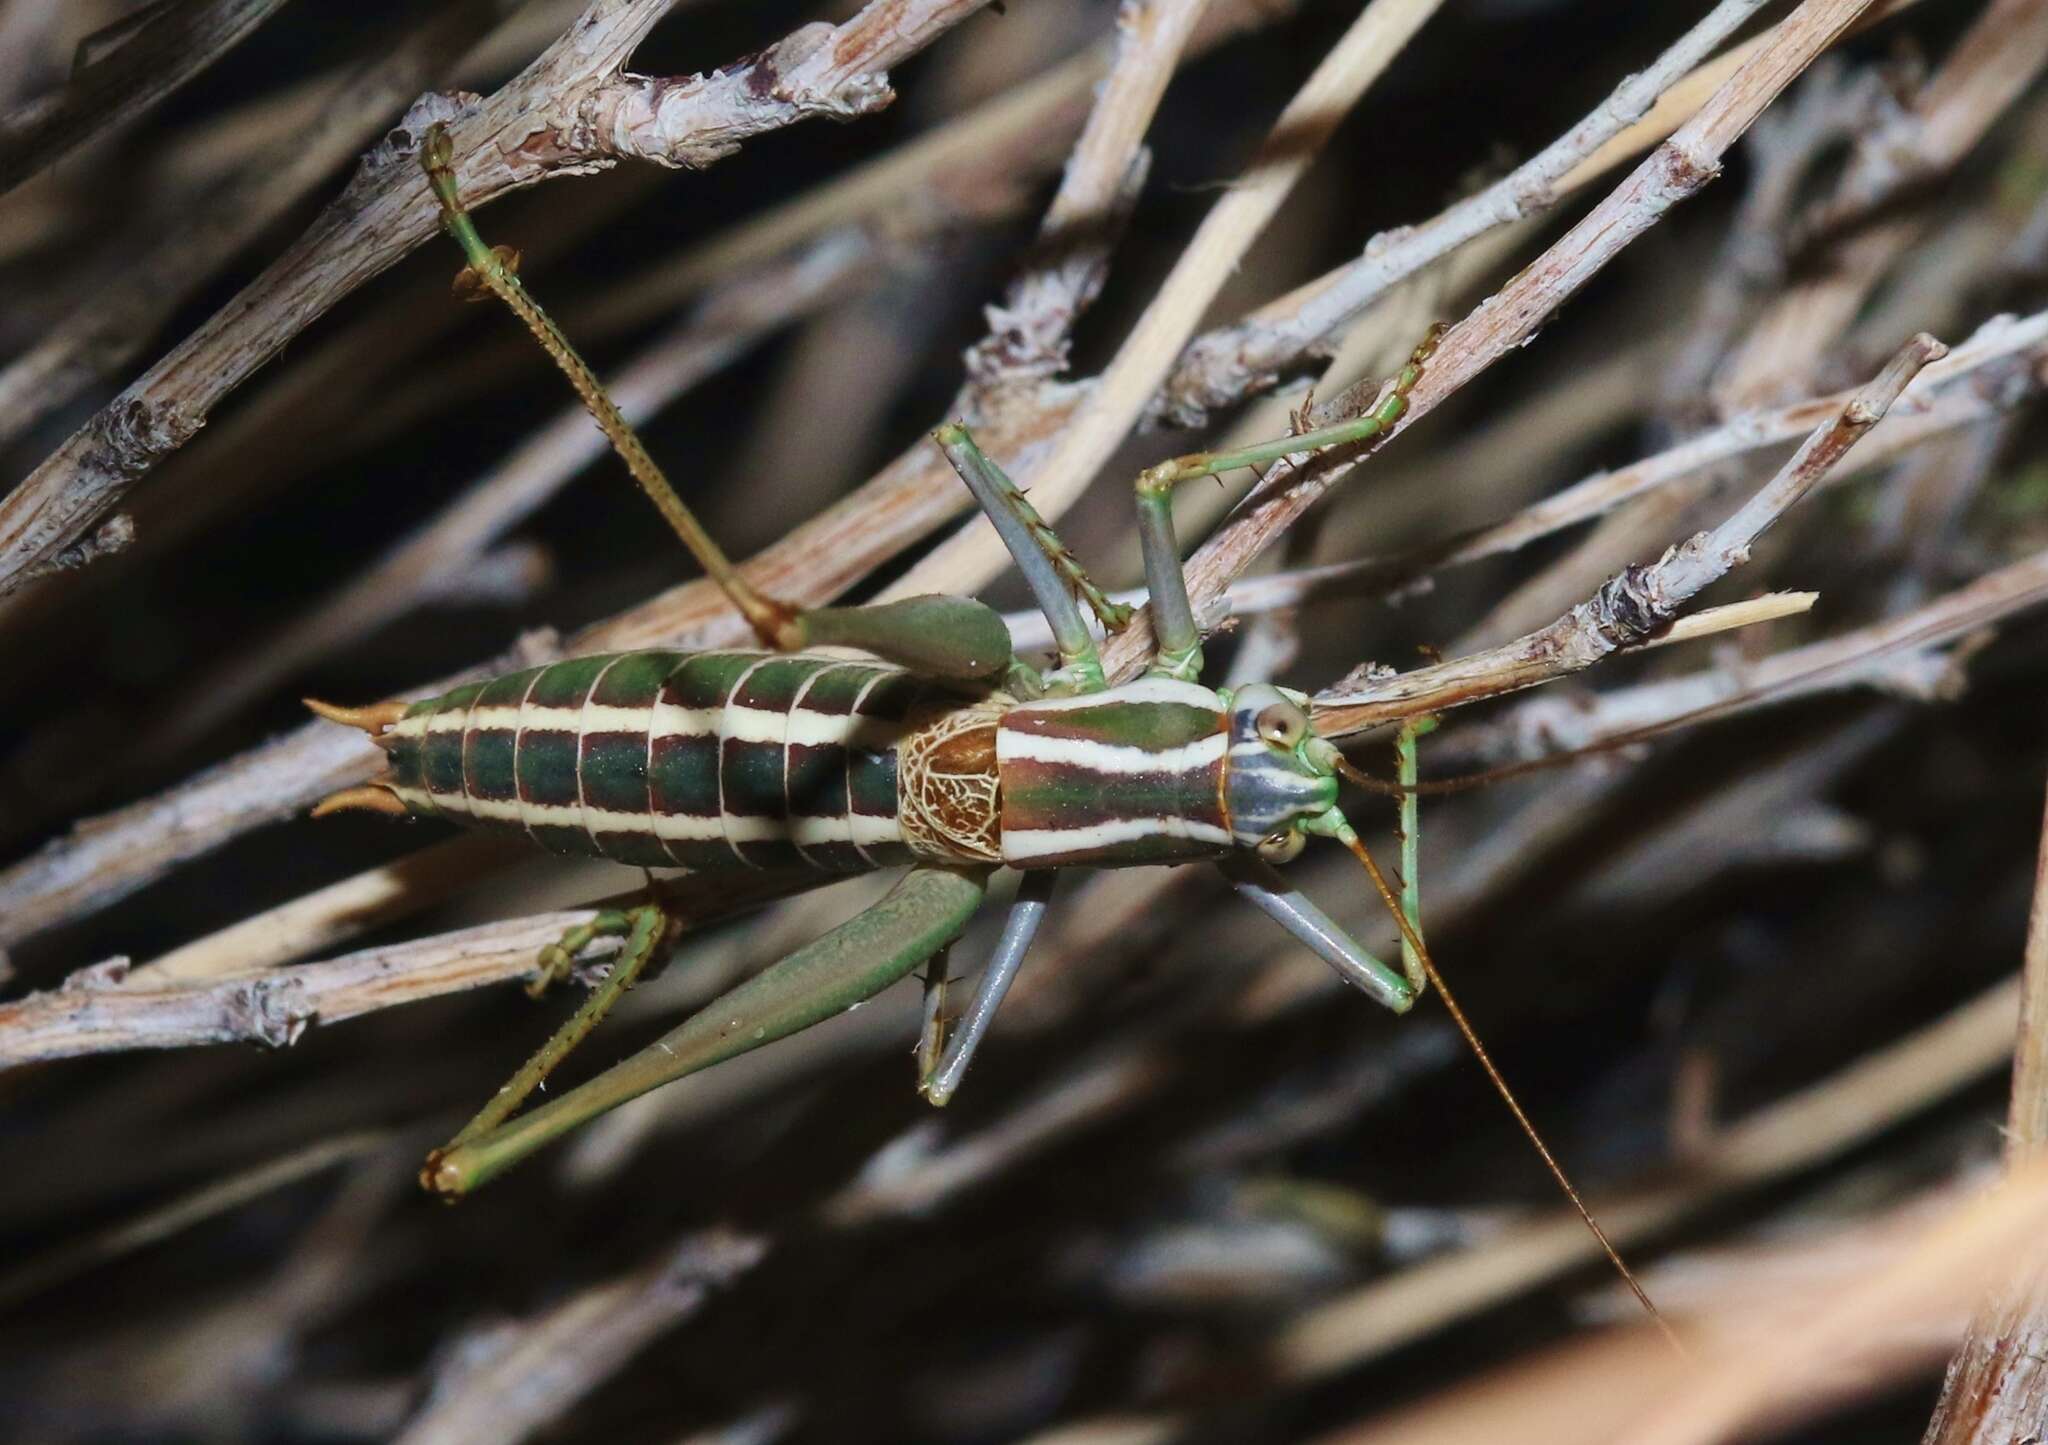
{"x":1413,"y":939}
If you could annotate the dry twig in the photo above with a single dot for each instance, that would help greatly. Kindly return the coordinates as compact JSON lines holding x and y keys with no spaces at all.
{"x":1228,"y":365}
{"x":574,"y":110}
{"x":509,"y":1383}
{"x":131,"y":72}
{"x":1635,"y":604}
{"x":1997,"y":1386}
{"x":1674,"y":171}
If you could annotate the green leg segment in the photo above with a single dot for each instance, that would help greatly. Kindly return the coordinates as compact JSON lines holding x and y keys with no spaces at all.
{"x":494,"y":270}
{"x":943,"y":636}
{"x":854,"y":962}
{"x":646,"y":931}
{"x":1173,"y":617}
{"x":951,"y":637}
{"x":1406,"y":771}
{"x":1052,"y":573}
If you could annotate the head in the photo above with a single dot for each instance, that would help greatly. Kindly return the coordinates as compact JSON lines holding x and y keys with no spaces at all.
{"x":1282,"y":783}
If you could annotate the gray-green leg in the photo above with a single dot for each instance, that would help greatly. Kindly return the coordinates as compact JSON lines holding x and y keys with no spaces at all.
{"x":855,"y":961}
{"x":1052,"y":573}
{"x":940,"y":1073}
{"x":1173,"y":617}
{"x":1263,"y":886}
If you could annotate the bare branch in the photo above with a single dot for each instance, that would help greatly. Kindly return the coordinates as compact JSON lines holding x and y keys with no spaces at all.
{"x":1030,"y":329}
{"x":1900,"y":655}
{"x":151,"y":272}
{"x":1635,"y":604}
{"x":574,"y":110}
{"x":162,"y":52}
{"x":521,"y":1377}
{"x":1228,"y":365}
{"x":1676,"y":170}
{"x":96,"y":1012}
{"x":190,"y":998}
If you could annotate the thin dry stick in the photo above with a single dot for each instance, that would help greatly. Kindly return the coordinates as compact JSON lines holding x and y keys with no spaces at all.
{"x":1997,"y":1385}
{"x":1638,"y":601}
{"x":1814,"y":1124}
{"x":535,"y":1372}
{"x":199,"y":996}
{"x":973,"y":556}
{"x":1225,"y":366}
{"x":1029,"y":332}
{"x":159,"y":54}
{"x":95,"y":1012}
{"x":1280,"y":591}
{"x":575,"y":109}
{"x":1676,"y":170}
{"x":317,"y":921}
{"x":2002,"y":342}
{"x":151,"y":271}
{"x":1899,"y":655}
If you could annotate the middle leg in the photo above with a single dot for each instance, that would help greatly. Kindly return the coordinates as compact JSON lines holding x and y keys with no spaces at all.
{"x":1173,"y":616}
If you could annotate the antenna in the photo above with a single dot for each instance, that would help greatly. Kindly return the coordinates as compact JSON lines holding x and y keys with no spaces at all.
{"x":1413,"y":938}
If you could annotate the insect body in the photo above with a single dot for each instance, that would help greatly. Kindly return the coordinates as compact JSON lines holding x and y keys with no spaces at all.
{"x":938,"y":749}
{"x":762,"y":760}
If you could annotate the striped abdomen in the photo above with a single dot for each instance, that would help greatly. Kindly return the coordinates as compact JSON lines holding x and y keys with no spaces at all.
{"x":669,"y":759}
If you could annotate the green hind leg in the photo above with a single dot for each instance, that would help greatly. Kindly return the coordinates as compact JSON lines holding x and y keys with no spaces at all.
{"x":920,"y":916}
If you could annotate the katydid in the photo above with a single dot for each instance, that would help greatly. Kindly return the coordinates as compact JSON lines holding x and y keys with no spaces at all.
{"x":941,"y":750}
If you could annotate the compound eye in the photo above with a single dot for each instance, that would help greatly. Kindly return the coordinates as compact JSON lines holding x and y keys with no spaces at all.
{"x":1283,"y":724}
{"x":1282,"y":847}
